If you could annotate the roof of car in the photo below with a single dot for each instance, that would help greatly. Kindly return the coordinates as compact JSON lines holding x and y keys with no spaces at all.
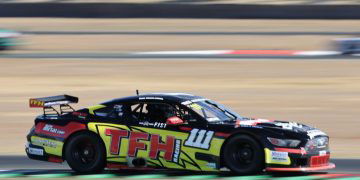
{"x":177,"y":97}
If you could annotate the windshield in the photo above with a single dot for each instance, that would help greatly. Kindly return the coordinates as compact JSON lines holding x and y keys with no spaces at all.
{"x":213,"y":111}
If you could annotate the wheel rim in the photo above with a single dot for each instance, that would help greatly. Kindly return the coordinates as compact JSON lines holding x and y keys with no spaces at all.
{"x":84,"y":152}
{"x":243,"y":154}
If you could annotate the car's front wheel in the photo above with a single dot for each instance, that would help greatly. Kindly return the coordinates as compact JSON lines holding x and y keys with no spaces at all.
{"x":85,"y":153}
{"x":243,"y":155}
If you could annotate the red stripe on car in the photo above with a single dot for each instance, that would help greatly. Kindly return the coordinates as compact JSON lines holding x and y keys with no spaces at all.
{"x":185,"y":128}
{"x":289,"y":150}
{"x":222,"y":134}
{"x":55,"y":159}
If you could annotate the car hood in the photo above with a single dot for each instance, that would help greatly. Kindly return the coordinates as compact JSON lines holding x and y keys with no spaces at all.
{"x":284,"y":126}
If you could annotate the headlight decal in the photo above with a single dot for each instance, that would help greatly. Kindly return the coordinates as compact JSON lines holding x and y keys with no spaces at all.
{"x":317,"y":143}
{"x":284,"y":142}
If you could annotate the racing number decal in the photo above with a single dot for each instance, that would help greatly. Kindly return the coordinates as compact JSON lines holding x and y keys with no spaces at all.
{"x":199,"y":138}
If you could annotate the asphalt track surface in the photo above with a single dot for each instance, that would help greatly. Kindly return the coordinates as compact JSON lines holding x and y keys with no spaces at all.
{"x":16,"y":166}
{"x":23,"y":162}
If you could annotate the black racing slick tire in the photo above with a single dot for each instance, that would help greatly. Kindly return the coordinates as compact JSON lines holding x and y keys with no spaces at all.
{"x":243,"y":155}
{"x":85,"y":153}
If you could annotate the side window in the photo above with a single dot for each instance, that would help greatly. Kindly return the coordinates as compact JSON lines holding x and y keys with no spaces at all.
{"x":103,"y":112}
{"x":186,"y":115}
{"x":209,"y":115}
{"x":116,"y":111}
{"x":160,"y":112}
{"x":121,"y":112}
{"x":153,"y":112}
{"x":138,"y":111}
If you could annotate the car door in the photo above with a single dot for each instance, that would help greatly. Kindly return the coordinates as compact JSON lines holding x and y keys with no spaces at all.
{"x":181,"y":146}
{"x":145,"y":139}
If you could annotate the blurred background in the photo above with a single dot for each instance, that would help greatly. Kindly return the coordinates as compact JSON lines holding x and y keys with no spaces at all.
{"x":242,"y":53}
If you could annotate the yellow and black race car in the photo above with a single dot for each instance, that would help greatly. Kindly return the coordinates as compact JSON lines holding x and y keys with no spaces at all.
{"x":170,"y":130}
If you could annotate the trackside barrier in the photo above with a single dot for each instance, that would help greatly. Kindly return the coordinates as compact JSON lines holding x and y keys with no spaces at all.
{"x":171,"y":10}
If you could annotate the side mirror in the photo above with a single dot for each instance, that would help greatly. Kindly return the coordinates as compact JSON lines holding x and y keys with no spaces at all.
{"x":174,"y":120}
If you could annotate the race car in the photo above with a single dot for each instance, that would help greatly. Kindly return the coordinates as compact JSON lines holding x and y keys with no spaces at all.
{"x":8,"y":39}
{"x":170,"y":131}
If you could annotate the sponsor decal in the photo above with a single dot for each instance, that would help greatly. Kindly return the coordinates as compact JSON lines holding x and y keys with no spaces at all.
{"x":279,"y":156}
{"x":177,"y":150}
{"x":56,"y":103}
{"x":315,"y":132}
{"x":50,"y":128}
{"x":253,"y":122}
{"x":322,"y":153}
{"x":156,"y":144}
{"x":44,"y":142}
{"x":199,"y":138}
{"x":211,"y":165}
{"x":151,"y":98}
{"x":153,"y":124}
{"x":160,"y":125}
{"x":34,"y":103}
{"x":58,"y":131}
{"x":289,"y":125}
{"x":35,"y":151}
{"x":276,"y":157}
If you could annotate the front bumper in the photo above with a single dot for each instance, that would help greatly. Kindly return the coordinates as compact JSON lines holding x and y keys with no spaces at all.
{"x":286,"y":159}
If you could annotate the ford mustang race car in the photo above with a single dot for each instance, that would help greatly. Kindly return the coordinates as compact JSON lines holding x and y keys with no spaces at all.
{"x":170,"y":130}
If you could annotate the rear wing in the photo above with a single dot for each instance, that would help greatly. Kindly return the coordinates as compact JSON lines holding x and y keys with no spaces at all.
{"x":48,"y":103}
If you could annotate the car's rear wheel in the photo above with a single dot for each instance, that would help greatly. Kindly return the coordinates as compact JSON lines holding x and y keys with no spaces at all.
{"x":243,"y":155}
{"x":85,"y":153}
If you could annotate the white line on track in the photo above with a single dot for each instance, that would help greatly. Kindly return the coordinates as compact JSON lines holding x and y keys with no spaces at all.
{"x":316,"y":53}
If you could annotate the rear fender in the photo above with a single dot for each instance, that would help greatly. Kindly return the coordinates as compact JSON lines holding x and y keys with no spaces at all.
{"x":58,"y":131}
{"x":52,"y":137}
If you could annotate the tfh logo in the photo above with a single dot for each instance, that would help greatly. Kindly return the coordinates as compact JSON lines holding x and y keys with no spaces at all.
{"x":156,"y":146}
